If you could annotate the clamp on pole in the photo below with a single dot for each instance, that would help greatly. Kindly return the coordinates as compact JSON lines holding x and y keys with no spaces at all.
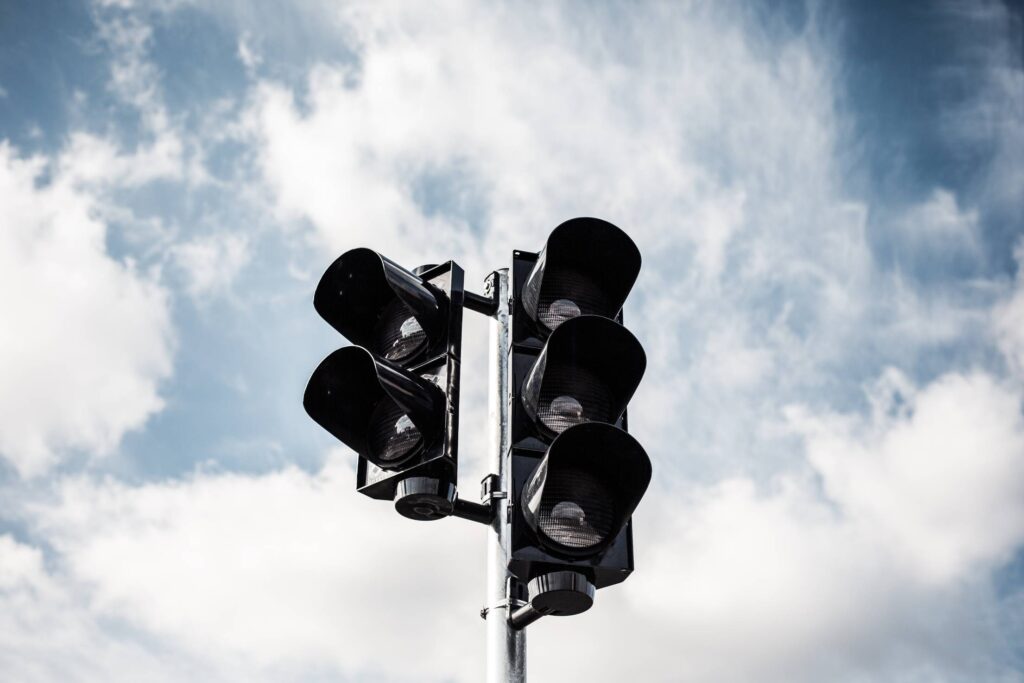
{"x":504,"y":604}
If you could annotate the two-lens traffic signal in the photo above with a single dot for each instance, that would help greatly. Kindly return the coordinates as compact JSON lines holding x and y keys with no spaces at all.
{"x":393,"y":397}
{"x":577,"y":474}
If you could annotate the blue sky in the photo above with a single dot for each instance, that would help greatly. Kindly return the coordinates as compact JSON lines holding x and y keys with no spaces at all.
{"x":828,"y":201}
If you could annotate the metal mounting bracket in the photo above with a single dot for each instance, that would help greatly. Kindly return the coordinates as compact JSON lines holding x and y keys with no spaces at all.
{"x":488,"y":486}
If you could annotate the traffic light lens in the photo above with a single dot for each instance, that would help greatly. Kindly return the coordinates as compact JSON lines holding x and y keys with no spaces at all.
{"x":400,"y":335}
{"x":557,"y":312}
{"x":568,"y":293}
{"x":571,"y":395}
{"x":562,"y":412}
{"x":577,"y":510}
{"x":393,"y":436}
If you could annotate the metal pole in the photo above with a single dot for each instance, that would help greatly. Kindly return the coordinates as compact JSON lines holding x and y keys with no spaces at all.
{"x":506,"y":647}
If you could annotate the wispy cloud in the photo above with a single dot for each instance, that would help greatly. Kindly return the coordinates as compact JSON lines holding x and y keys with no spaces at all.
{"x":211,"y":264}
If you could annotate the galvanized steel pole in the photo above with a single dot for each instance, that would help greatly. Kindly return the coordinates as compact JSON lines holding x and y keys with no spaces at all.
{"x":506,"y":647}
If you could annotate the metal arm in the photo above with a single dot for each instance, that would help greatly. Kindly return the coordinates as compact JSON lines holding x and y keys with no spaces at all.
{"x":475,"y":512}
{"x":487,"y":305}
{"x":524,"y":616}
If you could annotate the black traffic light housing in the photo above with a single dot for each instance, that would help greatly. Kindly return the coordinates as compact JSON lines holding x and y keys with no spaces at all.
{"x":356,"y":397}
{"x":362,"y":295}
{"x":587,"y":267}
{"x":580,"y":496}
{"x":596,"y":360}
{"x":577,"y":475}
{"x":394,"y":397}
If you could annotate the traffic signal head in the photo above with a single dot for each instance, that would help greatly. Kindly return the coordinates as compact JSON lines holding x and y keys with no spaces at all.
{"x":587,"y":372}
{"x":585,"y":488}
{"x":577,"y":475}
{"x":384,"y":413}
{"x":379,"y":305}
{"x":393,"y":398}
{"x":586,"y":267}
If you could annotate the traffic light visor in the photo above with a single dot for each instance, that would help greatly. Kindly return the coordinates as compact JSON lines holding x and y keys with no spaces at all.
{"x":586,"y":372}
{"x":384,"y":413}
{"x":376,"y":303}
{"x":585,"y":489}
{"x":587,"y":266}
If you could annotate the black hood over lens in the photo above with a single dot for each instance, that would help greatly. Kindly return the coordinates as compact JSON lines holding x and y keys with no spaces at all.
{"x":350,"y":388}
{"x":585,"y":489}
{"x":362,"y":287}
{"x":586,"y":267}
{"x":590,"y":363}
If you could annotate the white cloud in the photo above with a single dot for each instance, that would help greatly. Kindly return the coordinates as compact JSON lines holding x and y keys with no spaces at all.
{"x":284,"y":571}
{"x":937,"y":239}
{"x":940,"y":221}
{"x":942,"y":479}
{"x":160,"y":150}
{"x":211,"y":264}
{"x":716,"y":153}
{"x":49,"y":631}
{"x":93,"y":160}
{"x":86,"y":339}
{"x":865,"y":566}
{"x":541,"y":125}
{"x":721,"y":153}
{"x":40,"y":618}
{"x":133,"y":77}
{"x":247,"y":54}
{"x":727,"y":362}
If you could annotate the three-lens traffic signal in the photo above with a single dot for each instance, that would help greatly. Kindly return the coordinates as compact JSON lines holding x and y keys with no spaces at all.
{"x":577,"y":473}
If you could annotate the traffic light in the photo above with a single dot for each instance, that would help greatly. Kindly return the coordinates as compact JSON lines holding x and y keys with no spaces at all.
{"x":565,"y":474}
{"x":577,"y":474}
{"x":393,"y":396}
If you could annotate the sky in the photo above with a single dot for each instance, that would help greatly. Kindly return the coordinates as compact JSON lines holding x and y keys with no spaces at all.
{"x":828,"y":200}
